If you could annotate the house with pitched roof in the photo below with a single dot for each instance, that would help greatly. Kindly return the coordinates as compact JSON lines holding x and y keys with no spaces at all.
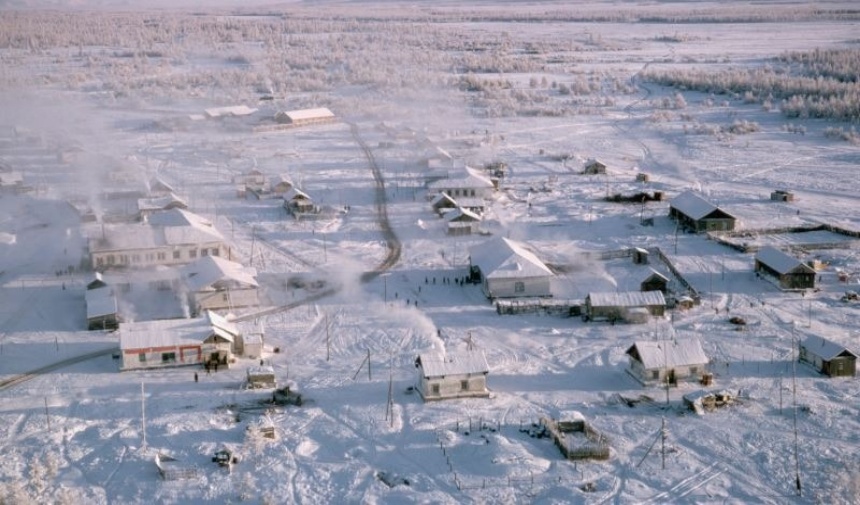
{"x":692,"y":212}
{"x":173,"y":237}
{"x":656,"y":362}
{"x":507,"y":269}
{"x":788,"y":271}
{"x":452,"y":375}
{"x":828,"y":357}
{"x":466,"y":182}
{"x":177,"y":342}
{"x":630,"y":306}
{"x":462,"y":221}
{"x":214,"y":283}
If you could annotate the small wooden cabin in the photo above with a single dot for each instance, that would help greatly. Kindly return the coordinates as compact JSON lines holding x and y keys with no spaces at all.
{"x":829,"y":358}
{"x":594,"y":167}
{"x":655,"y":282}
{"x":617,"y":306}
{"x":692,"y":212}
{"x":789,"y":272}
{"x":656,"y":362}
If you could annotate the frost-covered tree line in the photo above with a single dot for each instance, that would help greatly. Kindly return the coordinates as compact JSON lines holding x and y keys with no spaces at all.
{"x":819,"y":84}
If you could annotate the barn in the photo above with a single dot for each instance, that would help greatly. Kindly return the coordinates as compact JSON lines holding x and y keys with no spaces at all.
{"x":655,"y":362}
{"x":452,"y":375}
{"x":214,"y":283}
{"x":829,"y":358}
{"x":788,"y":271}
{"x":507,"y":270}
{"x":624,"y":306}
{"x":692,"y":212}
{"x":177,"y":342}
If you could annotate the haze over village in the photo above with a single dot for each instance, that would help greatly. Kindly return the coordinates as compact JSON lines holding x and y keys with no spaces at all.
{"x":428,"y":252}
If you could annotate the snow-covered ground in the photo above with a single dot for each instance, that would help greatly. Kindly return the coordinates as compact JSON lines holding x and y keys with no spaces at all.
{"x":75,"y":433}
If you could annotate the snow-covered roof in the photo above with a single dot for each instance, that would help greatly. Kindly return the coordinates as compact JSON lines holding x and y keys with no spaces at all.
{"x":214,"y":272}
{"x":222,"y":325}
{"x":779,"y":261}
{"x":305,"y":114}
{"x":471,"y":202}
{"x":653,"y":273}
{"x":627,"y":299}
{"x":453,"y":363}
{"x":692,"y":205}
{"x":157,"y":184}
{"x":161,"y":203}
{"x":501,"y":257}
{"x":143,"y":236}
{"x":467,"y":178}
{"x":172,"y":332}
{"x":823,"y":348}
{"x":233,"y":110}
{"x":254,"y":371}
{"x":100,"y":302}
{"x":178,"y":217}
{"x":11,"y":178}
{"x":668,"y":353}
{"x":295,"y":193}
{"x":442,"y":199}
{"x":461,"y":214}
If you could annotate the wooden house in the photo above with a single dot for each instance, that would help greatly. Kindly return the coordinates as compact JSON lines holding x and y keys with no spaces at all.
{"x":253,"y":181}
{"x":788,"y":271}
{"x":305,"y":117}
{"x":829,"y":358}
{"x":692,"y":212}
{"x":281,"y":184}
{"x":173,"y":237}
{"x":442,"y":203}
{"x":176,"y":342}
{"x":148,"y":206}
{"x":467,"y":182}
{"x":655,"y":281}
{"x":507,"y":269}
{"x":594,"y":167}
{"x":452,"y":375}
{"x":656,"y":362}
{"x":625,"y":306}
{"x":214,"y":283}
{"x":462,"y":221}
{"x":297,"y":202}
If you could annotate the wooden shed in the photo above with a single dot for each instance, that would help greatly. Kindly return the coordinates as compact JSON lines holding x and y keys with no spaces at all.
{"x":788,"y":271}
{"x":623,"y":306}
{"x":261,"y":377}
{"x":694,"y":213}
{"x":655,"y":362}
{"x":781,"y":195}
{"x":452,"y":375}
{"x":828,"y":357}
{"x":655,"y":282}
{"x":594,"y":167}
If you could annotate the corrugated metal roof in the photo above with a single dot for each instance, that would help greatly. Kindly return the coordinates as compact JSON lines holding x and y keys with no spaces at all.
{"x":459,"y":363}
{"x":100,"y":302}
{"x":627,"y":299}
{"x":461,"y":214}
{"x":164,"y":333}
{"x":823,"y":348}
{"x":692,"y":205}
{"x":779,"y":261}
{"x":501,"y":258}
{"x":669,"y":353}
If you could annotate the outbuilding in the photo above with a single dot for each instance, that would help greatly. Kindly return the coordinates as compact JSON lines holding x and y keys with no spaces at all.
{"x":828,"y":357}
{"x":625,"y":306}
{"x":214,"y":283}
{"x":788,"y":271}
{"x":261,"y":377}
{"x":656,"y":362}
{"x":694,"y":213}
{"x":452,"y":375}
{"x":467,"y":182}
{"x":655,"y":282}
{"x":462,"y":221}
{"x":594,"y":167}
{"x":507,"y":269}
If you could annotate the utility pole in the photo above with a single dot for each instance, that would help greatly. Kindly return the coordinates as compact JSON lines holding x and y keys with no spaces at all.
{"x":143,"y":415}
{"x":327,"y":340}
{"x":794,"y":399}
{"x":47,"y":417}
{"x":663,"y":434}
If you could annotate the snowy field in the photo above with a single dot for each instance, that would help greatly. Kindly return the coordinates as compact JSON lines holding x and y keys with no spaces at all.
{"x":89,"y":95}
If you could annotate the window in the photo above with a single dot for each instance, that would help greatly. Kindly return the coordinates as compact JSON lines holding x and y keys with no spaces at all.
{"x":135,"y":258}
{"x":434,"y":389}
{"x":204,"y":252}
{"x":168,"y":357}
{"x":100,"y":262}
{"x":162,"y":256}
{"x":141,"y":357}
{"x":655,"y":374}
{"x":110,"y":259}
{"x":464,"y":385}
{"x":123,"y":259}
{"x":472,"y":193}
{"x":215,"y":251}
{"x":176,"y":255}
{"x":192,"y":253}
{"x":224,"y":297}
{"x":150,"y":257}
{"x":694,"y":369}
{"x":519,"y":287}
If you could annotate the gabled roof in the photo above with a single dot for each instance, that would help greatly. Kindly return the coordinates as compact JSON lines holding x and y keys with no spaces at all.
{"x":295,"y":193}
{"x":158,"y":184}
{"x":781,"y":262}
{"x":178,"y":217}
{"x":233,"y":110}
{"x":668,"y":353}
{"x":468,"y":178}
{"x":461,"y":214}
{"x":443,"y":200}
{"x":500,"y":258}
{"x":169,"y":201}
{"x":694,"y":206}
{"x":823,"y":348}
{"x":172,"y":332}
{"x":653,"y":274}
{"x":216,"y":273}
{"x":100,"y":302}
{"x":453,"y":363}
{"x":627,"y":299}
